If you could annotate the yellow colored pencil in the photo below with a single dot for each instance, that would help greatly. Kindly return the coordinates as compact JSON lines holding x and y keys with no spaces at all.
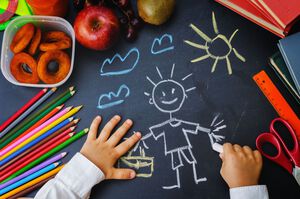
{"x":47,"y":128}
{"x":31,"y":183}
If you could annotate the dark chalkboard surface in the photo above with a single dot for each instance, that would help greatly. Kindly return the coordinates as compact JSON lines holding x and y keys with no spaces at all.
{"x":233,"y":98}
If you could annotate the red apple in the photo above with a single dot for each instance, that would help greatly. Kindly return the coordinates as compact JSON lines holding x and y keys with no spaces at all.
{"x":97,"y":27}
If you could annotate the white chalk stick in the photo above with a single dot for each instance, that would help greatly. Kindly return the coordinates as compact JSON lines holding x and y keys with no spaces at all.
{"x":217,"y":147}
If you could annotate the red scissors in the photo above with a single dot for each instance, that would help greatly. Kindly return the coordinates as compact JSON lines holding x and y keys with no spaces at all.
{"x":289,"y":159}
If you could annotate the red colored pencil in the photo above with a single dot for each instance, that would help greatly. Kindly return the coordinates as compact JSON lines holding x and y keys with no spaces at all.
{"x":23,"y":109}
{"x":29,"y":158}
{"x":44,"y":119}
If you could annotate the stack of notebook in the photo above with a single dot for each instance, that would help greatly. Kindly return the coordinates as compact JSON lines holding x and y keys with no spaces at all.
{"x":286,"y":63}
{"x":277,"y":16}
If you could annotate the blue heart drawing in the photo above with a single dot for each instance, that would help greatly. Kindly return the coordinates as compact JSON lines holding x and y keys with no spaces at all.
{"x":157,"y":44}
{"x":113,"y":98}
{"x":106,"y":71}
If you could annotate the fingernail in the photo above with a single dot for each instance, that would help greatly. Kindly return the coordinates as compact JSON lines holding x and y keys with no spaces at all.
{"x":138,"y":134}
{"x":129,"y":121}
{"x":132,"y":174}
{"x":117,"y":117}
{"x":98,"y":117}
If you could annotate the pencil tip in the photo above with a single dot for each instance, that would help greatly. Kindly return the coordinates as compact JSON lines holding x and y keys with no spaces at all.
{"x":71,"y":119}
{"x":86,"y":130}
{"x":77,"y":120}
{"x":73,"y":92}
{"x":69,"y":108}
{"x":79,"y":107}
{"x":56,"y":164}
{"x":71,"y":88}
{"x":45,"y":90}
{"x":72,"y":128}
{"x":60,"y":107}
{"x":63,"y":154}
{"x":54,"y":89}
{"x":71,"y":134}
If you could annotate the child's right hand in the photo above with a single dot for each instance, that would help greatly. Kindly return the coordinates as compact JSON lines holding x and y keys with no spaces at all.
{"x":241,"y":166}
{"x":104,"y":151}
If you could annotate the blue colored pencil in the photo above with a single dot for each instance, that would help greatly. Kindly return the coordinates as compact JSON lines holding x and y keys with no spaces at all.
{"x":35,"y":141}
{"x":27,"y":112}
{"x":29,"y":178}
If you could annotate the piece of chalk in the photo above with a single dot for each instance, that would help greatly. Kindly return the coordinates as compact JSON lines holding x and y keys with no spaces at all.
{"x":217,"y":147}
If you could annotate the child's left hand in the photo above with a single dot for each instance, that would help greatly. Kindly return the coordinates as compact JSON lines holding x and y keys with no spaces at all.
{"x":104,"y":151}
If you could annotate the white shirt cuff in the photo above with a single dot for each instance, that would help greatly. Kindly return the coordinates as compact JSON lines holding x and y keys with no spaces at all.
{"x":80,"y":175}
{"x":249,"y":192}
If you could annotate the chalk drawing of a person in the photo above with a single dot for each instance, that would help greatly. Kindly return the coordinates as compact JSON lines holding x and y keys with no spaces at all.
{"x":168,"y":96}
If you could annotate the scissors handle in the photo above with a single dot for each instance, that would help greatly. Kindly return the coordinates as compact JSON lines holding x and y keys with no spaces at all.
{"x":280,"y":158}
{"x":294,"y":153}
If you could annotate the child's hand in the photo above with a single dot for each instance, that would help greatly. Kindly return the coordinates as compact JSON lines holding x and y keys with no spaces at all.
{"x":241,"y":166}
{"x":104,"y":151}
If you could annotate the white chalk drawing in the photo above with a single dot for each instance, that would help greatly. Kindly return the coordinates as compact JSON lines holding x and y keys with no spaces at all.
{"x":168,"y":96}
{"x":142,"y":164}
{"x":162,"y":44}
{"x":110,"y":99}
{"x":210,"y":44}
{"x":107,"y":68}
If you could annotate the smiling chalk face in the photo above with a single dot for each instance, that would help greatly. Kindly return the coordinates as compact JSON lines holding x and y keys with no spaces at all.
{"x":168,"y":96}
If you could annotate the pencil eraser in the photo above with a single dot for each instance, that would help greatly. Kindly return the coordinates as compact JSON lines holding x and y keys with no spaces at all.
{"x":217,"y":147}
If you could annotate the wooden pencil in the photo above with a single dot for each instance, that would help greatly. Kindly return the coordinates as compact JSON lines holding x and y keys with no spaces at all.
{"x":22,"y":109}
{"x":28,"y":164}
{"x":27,"y":112}
{"x":44,"y":119}
{"x":33,"y":182}
{"x":70,"y":126}
{"x":32,"y":188}
{"x":34,"y":120}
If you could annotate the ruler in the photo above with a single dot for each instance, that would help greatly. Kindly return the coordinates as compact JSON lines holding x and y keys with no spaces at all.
{"x":277,"y":100}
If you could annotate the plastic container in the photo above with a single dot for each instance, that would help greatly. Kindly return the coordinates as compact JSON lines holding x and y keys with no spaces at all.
{"x":45,"y":23}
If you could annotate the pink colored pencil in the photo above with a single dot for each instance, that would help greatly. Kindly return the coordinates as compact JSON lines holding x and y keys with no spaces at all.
{"x":39,"y":128}
{"x":23,"y":109}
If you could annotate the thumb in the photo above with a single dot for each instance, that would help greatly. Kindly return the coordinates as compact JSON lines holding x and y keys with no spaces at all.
{"x":123,"y":174}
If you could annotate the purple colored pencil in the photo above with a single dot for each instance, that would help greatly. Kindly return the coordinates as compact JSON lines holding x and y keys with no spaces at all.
{"x":35,"y":169}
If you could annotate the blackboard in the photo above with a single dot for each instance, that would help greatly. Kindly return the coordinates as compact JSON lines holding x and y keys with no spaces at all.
{"x":235,"y":98}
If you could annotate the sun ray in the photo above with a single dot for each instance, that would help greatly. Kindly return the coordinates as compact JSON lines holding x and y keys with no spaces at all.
{"x":190,"y":89}
{"x":196,"y":45}
{"x":200,"y":33}
{"x":150,"y":81}
{"x":238,"y":55}
{"x":187,"y":76}
{"x":214,"y":120}
{"x":215,"y":23}
{"x":228,"y":66}
{"x":200,"y":58}
{"x":145,"y":93}
{"x":233,"y":34}
{"x":215,"y":65}
{"x":172,"y":71}
{"x":219,"y":123}
{"x":161,"y":77}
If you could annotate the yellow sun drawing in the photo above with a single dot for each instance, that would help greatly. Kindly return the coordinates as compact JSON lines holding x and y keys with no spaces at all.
{"x":211,"y":43}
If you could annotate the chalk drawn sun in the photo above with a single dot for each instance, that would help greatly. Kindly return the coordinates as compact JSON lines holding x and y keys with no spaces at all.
{"x":211,"y":44}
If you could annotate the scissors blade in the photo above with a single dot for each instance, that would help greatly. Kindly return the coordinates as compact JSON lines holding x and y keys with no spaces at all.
{"x":296,"y":174}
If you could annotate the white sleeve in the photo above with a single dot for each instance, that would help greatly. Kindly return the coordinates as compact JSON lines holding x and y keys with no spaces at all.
{"x":74,"y":181}
{"x":249,"y":192}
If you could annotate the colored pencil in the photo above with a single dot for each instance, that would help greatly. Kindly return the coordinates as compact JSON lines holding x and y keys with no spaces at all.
{"x":44,"y":119}
{"x":43,"y":126}
{"x":35,"y":141}
{"x":32,"y":157}
{"x":68,"y":128}
{"x":29,"y":178}
{"x":65,"y":116}
{"x":35,"y":169}
{"x":31,"y":188}
{"x":27,"y":112}
{"x":21,"y":168}
{"x":28,"y":123}
{"x":33,"y":182}
{"x":22,"y":109}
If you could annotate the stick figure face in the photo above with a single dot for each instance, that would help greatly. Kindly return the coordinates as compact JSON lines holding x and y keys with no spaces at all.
{"x":168,"y":96}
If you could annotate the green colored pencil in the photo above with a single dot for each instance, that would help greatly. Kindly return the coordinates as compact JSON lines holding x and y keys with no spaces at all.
{"x":34,"y":115}
{"x":10,"y":138}
{"x":48,"y":154}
